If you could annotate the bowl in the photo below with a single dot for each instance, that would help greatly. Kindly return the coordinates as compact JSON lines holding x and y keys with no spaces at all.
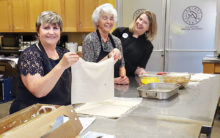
{"x":178,"y":78}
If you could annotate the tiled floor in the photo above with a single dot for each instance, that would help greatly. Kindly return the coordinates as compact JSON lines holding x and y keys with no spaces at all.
{"x":4,"y":108}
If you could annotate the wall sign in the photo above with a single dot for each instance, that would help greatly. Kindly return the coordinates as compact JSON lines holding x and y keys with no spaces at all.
{"x":192,"y":15}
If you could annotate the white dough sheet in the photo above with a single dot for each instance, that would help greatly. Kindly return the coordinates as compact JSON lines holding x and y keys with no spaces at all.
{"x":110,"y":108}
{"x":92,"y":81}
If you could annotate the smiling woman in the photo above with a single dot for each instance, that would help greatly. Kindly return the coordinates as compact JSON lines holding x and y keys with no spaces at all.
{"x":100,"y":45}
{"x":49,"y":34}
{"x":44,"y":68}
{"x":136,"y":42}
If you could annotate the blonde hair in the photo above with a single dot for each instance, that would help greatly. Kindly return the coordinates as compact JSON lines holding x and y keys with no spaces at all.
{"x":152,"y":32}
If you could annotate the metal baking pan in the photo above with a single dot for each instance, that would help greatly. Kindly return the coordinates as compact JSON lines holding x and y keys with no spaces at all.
{"x":158,"y":90}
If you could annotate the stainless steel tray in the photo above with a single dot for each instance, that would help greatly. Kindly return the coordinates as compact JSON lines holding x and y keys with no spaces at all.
{"x":158,"y":90}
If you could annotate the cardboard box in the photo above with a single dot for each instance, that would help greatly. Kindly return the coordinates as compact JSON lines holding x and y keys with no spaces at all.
{"x":36,"y":122}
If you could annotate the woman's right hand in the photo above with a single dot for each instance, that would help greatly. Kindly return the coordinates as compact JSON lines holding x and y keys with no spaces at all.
{"x":68,"y":59}
{"x":140,"y":71}
{"x":115,"y":53}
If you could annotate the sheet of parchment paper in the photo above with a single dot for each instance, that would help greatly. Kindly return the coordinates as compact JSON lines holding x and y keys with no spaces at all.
{"x":111,"y":108}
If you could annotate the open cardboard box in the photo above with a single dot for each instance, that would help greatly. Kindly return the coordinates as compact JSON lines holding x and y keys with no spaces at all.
{"x":31,"y":122}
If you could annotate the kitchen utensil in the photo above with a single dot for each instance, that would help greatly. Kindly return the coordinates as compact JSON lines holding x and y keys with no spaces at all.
{"x":158,"y":90}
{"x":146,"y":80}
{"x":178,"y":78}
{"x":149,"y":78}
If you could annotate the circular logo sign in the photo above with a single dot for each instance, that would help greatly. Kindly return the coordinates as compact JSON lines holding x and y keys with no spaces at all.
{"x":137,"y":13}
{"x":192,"y":15}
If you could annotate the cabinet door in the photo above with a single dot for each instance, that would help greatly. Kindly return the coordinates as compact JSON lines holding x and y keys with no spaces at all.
{"x":100,"y":2}
{"x":34,"y":8}
{"x":70,"y":15}
{"x":86,"y":9}
{"x":53,"y":5}
{"x":19,"y":15}
{"x":5,"y":16}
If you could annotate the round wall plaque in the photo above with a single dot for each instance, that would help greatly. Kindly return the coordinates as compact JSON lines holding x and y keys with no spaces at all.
{"x":192,"y":15}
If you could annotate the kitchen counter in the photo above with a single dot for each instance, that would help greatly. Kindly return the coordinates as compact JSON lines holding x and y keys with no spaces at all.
{"x":210,"y":59}
{"x":143,"y":127}
{"x":181,"y":116}
{"x":194,"y":102}
{"x":211,"y":65}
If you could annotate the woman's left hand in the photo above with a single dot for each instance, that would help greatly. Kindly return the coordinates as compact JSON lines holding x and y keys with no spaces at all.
{"x":115,"y":53}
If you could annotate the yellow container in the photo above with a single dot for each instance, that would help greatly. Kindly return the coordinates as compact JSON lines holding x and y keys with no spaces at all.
{"x":146,"y":80}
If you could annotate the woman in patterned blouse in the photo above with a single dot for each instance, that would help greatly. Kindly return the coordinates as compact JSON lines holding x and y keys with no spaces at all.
{"x":100,"y":45}
{"x":44,"y":68}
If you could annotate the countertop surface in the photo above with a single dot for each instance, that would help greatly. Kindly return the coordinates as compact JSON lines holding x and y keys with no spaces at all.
{"x":211,"y":59}
{"x":181,"y":116}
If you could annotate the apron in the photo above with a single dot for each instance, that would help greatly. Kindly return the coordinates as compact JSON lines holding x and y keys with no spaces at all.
{"x":104,"y":54}
{"x":63,"y":86}
{"x":59,"y":95}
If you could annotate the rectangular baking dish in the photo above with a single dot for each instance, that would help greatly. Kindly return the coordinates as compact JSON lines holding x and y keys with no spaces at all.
{"x":158,"y":90}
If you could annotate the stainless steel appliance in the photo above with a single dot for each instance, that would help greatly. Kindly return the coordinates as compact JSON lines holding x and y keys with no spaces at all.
{"x":10,"y":41}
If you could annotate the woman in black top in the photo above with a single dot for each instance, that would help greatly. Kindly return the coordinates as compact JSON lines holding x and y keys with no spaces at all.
{"x":44,"y":69}
{"x":136,"y":42}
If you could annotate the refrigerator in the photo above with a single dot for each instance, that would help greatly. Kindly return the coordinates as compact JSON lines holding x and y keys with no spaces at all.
{"x":186,"y":32}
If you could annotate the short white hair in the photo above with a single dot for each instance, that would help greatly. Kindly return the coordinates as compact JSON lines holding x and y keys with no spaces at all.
{"x":105,"y":8}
